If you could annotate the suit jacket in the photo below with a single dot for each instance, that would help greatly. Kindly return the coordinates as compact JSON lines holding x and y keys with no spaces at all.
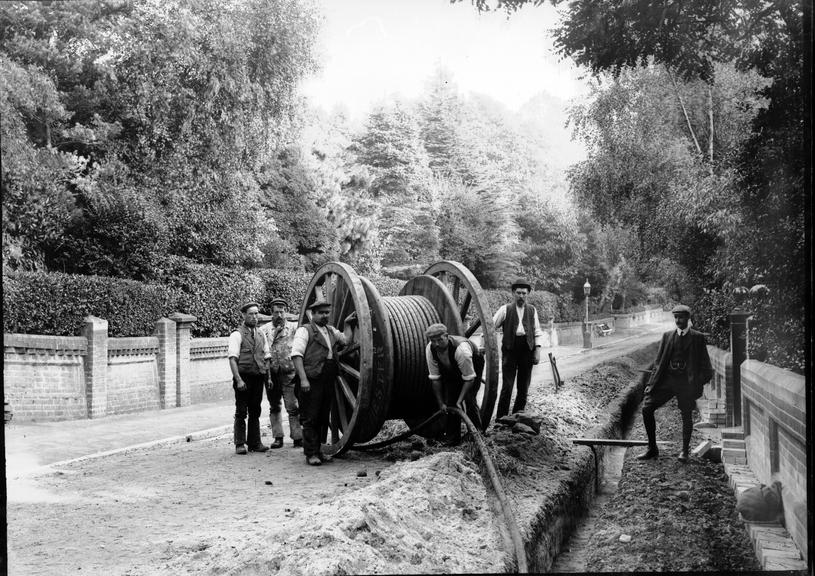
{"x":700,"y":371}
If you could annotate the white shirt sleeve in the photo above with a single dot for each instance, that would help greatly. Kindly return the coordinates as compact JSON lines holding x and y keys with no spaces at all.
{"x":499,"y":317}
{"x":432,"y":365}
{"x":464,"y":359}
{"x":267,"y":346}
{"x":234,"y":348}
{"x":299,"y":342}
{"x":538,"y":330}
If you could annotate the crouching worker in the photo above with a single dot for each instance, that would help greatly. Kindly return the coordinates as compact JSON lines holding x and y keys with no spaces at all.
{"x":455,"y":366}
{"x":314,"y":352}
{"x":280,"y":384}
{"x":248,"y":353}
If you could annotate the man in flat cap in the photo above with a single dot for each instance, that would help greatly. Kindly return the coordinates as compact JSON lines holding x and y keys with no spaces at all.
{"x":520,"y":346}
{"x":248,"y":354}
{"x":682,"y":368}
{"x":314,"y":353}
{"x":280,"y":384}
{"x":455,"y":366}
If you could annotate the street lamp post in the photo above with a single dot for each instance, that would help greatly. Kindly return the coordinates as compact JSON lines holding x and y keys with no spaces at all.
{"x":586,"y":329}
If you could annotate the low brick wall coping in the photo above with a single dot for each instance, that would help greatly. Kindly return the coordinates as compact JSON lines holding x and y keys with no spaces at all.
{"x":65,"y":344}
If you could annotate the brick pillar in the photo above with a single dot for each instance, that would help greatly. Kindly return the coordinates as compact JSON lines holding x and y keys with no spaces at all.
{"x":183,"y":325}
{"x":738,"y":348}
{"x":95,"y":331}
{"x":167,"y":362}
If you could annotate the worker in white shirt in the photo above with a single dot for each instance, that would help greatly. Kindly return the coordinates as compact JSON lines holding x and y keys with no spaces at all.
{"x":520,"y":346}
{"x":314,"y":352}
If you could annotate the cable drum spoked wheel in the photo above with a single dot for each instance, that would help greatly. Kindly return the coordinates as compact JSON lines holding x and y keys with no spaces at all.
{"x":344,"y":290}
{"x":472,"y":312}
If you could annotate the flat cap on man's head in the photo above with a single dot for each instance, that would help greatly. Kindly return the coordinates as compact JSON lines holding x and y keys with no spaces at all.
{"x":680,"y":309}
{"x":319,"y":303}
{"x":435,"y":330}
{"x":248,"y":305}
{"x":521,"y":283}
{"x":280,"y":302}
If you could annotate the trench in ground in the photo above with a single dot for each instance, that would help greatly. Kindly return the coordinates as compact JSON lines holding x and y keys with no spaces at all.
{"x":572,"y":557}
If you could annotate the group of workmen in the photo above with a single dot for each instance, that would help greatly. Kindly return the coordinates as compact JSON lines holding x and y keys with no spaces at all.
{"x":298,"y":365}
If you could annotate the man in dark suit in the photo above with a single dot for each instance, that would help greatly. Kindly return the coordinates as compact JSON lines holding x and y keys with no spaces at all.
{"x":682,"y":368}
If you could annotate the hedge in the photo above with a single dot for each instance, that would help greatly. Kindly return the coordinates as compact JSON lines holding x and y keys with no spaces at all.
{"x":56,"y":304}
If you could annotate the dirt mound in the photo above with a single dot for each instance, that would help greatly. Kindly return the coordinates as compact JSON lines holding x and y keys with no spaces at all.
{"x":428,"y":516}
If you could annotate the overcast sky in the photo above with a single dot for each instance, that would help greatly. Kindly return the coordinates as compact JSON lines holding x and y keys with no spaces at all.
{"x":372,"y":49}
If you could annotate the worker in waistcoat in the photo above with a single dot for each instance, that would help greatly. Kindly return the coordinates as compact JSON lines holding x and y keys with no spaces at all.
{"x":314,"y":353}
{"x":248,"y":354}
{"x":454,"y":366}
{"x":520,"y":346}
{"x":681,"y":369}
{"x":280,"y":383}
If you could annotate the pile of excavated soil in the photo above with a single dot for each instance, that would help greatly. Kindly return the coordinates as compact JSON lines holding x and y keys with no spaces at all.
{"x":429,"y":516}
{"x":670,"y":516}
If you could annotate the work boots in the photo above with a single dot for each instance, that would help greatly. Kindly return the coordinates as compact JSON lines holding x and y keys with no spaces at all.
{"x":652,"y":452}
{"x":687,"y":430}
{"x":255,"y":445}
{"x":650,"y":424}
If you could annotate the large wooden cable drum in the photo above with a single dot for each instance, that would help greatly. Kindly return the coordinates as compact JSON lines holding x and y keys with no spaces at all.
{"x":383,"y":373}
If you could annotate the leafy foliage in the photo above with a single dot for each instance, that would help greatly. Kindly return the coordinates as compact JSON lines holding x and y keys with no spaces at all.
{"x":55,"y":303}
{"x":159,"y":111}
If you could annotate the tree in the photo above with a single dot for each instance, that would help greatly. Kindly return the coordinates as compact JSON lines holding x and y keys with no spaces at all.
{"x":392,"y":152}
{"x":169,"y":109}
{"x":288,"y":195}
{"x":477,"y":229}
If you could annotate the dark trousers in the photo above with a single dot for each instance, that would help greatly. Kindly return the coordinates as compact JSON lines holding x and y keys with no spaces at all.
{"x":248,"y":401}
{"x":518,"y":361}
{"x":671,"y":384}
{"x":315,"y":407}
{"x":452,"y":424}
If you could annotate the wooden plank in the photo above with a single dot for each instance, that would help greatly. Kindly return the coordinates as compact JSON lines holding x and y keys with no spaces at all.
{"x":612,"y":442}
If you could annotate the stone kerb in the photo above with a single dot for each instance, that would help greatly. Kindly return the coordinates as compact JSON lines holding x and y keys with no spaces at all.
{"x":183,"y":334}
{"x":95,"y":331}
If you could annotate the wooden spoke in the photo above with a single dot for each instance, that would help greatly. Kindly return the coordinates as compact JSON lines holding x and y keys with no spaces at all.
{"x":456,"y":289}
{"x":475,"y":325}
{"x":344,"y":308}
{"x":344,"y":390}
{"x":349,"y":370}
{"x":465,"y":306}
{"x":341,"y":408}
{"x":334,"y":426}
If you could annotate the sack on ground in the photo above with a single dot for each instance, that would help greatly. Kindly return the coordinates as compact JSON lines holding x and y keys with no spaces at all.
{"x":761,"y":503}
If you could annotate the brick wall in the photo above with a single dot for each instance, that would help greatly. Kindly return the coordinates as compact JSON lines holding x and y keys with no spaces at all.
{"x":718,"y":392}
{"x":774,"y":422}
{"x":132,"y":381}
{"x":43,"y":376}
{"x":210,"y":376}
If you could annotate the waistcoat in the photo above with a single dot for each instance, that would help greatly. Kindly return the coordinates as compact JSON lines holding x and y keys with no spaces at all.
{"x":316,"y":351}
{"x":453,"y":372}
{"x":251,"y":360}
{"x":511,"y":325}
